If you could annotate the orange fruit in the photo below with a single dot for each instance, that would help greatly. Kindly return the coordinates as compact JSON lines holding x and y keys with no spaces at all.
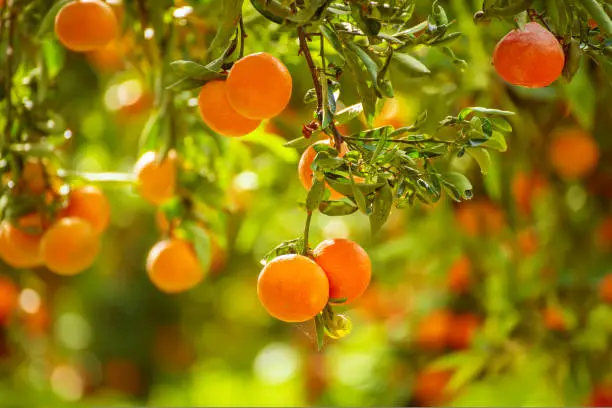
{"x":463,"y":328}
{"x":603,"y":233}
{"x":347,"y":266}
{"x":38,"y":322}
{"x":573,"y":153}
{"x":429,"y":388}
{"x":9,"y":294}
{"x":306,"y":174}
{"x":156,"y":181}
{"x":432,"y":331}
{"x":86,"y":25}
{"x":172,"y":349}
{"x":554,"y":319}
{"x":111,"y":57}
{"x":293,"y":288}
{"x":22,"y":242}
{"x":526,"y":189}
{"x":605,"y":289}
{"x":173,"y":266}
{"x":531,"y":57}
{"x":90,"y":204}
{"x":219,"y":115}
{"x":70,"y":246}
{"x":480,"y":217}
{"x":259,"y":86}
{"x":459,"y":277}
{"x":592,"y":23}
{"x":33,"y":176}
{"x":122,"y":375}
{"x":601,"y":395}
{"x":390,"y":115}
{"x":528,"y":242}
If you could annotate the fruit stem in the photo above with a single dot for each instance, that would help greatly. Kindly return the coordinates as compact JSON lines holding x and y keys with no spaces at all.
{"x":304,"y":50}
{"x":306,"y":232}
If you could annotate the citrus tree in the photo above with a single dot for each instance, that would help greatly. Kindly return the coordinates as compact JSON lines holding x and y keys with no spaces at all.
{"x":326,"y":80}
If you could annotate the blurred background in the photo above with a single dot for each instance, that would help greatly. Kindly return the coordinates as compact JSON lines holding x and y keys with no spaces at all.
{"x":499,"y":301}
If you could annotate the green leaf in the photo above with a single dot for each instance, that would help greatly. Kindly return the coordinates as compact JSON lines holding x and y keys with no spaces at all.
{"x":573,"y":57}
{"x":466,"y":111}
{"x":366,"y":92}
{"x":410,"y":64}
{"x":201,"y":243}
{"x":459,"y":185}
{"x":370,"y":65}
{"x":190,"y":69}
{"x":53,"y":54}
{"x":345,"y":187}
{"x":336,"y":208}
{"x":272,"y":10}
{"x":467,"y":372}
{"x":49,"y":20}
{"x":348,"y":113}
{"x":315,"y":195}
{"x":358,"y":196}
{"x":310,"y":96}
{"x":501,"y":124}
{"x":186,"y":84}
{"x":331,"y":36}
{"x":320,"y":330}
{"x":381,"y":208}
{"x":481,"y":156}
{"x":226,"y":27}
{"x":380,"y":145}
{"x":496,"y":142}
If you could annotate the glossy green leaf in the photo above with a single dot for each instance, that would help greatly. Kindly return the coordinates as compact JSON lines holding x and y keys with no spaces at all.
{"x":336,"y":208}
{"x":410,"y":64}
{"x":481,"y":156}
{"x":315,"y":195}
{"x":381,"y":208}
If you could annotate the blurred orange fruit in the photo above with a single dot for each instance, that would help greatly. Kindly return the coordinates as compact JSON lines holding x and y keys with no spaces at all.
{"x":173,"y":266}
{"x":9,"y":293}
{"x":21,"y":247}
{"x":305,"y":173}
{"x":90,"y":204}
{"x":33,"y":176}
{"x":429,"y":388}
{"x":156,"y":181}
{"x":122,"y":375}
{"x":70,"y":246}
{"x":390,"y":115}
{"x":528,"y":242}
{"x":37,"y":323}
{"x":573,"y":153}
{"x":603,"y":233}
{"x":259,"y":86}
{"x":293,"y":288}
{"x":219,"y":115}
{"x":554,"y":319}
{"x":526,"y":189}
{"x":86,"y":25}
{"x":459,"y":277}
{"x":605,"y":288}
{"x":172,"y":349}
{"x":347,"y":266}
{"x":601,"y":395}
{"x":432,"y":331}
{"x":480,"y":217}
{"x":463,"y":328}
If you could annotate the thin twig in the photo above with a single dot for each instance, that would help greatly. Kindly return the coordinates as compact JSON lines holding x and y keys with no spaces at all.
{"x":243,"y":36}
{"x":306,"y":232}
{"x":375,"y":139}
{"x":304,"y":50}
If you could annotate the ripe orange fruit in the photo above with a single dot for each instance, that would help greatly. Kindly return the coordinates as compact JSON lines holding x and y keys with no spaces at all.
{"x":347,"y":266}
{"x":219,"y":115}
{"x":480,"y":218}
{"x":605,"y":288}
{"x":390,"y":115}
{"x":37,"y":323}
{"x":603,"y":233}
{"x":21,"y":242}
{"x":156,"y":181}
{"x":9,"y":294}
{"x":306,"y":174}
{"x":554,"y":319}
{"x":463,"y":328}
{"x":601,"y":396}
{"x":90,"y":204}
{"x":528,"y":242}
{"x":293,"y":288}
{"x":432,"y":331}
{"x":573,"y":153}
{"x":429,"y":388}
{"x":86,"y":25}
{"x":259,"y":86}
{"x":173,"y":266}
{"x":460,"y":275}
{"x":526,"y":189}
{"x":531,"y":57}
{"x":122,"y":375}
{"x":70,"y":246}
{"x":33,"y":176}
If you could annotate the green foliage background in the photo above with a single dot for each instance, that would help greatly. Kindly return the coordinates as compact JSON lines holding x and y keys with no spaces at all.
{"x":228,"y":351}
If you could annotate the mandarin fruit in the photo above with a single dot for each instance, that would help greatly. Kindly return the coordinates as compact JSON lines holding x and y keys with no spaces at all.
{"x":259,"y":86}
{"x":531,"y":57}
{"x":305,"y":173}
{"x":605,"y":289}
{"x":573,"y":153}
{"x":601,"y":396}
{"x":347,"y":266}
{"x":21,"y":245}
{"x":156,"y":181}
{"x":526,"y":189}
{"x":460,"y":275}
{"x":70,"y":246}
{"x":462,"y":330}
{"x":432,"y":331}
{"x":173,"y":266}
{"x":33,"y":176}
{"x":219,"y":115}
{"x":554,"y":319}
{"x":90,"y":204}
{"x":293,"y":288}
{"x":86,"y":25}
{"x":429,"y":388}
{"x":9,"y":294}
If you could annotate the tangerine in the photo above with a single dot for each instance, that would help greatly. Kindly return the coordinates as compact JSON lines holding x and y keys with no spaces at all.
{"x":219,"y":115}
{"x":573,"y":153}
{"x":173,"y":266}
{"x":86,"y":25}
{"x":460,"y":275}
{"x":554,"y":319}
{"x":433,"y":330}
{"x":22,"y":241}
{"x":156,"y":181}
{"x":33,"y":176}
{"x":259,"y":86}
{"x":480,"y":218}
{"x":605,"y":289}
{"x":526,"y":189}
{"x":305,"y":172}
{"x":462,"y":330}
{"x":9,"y":294}
{"x":347,"y":266}
{"x":293,"y":288}
{"x":90,"y":204}
{"x":429,"y":388}
{"x":70,"y":246}
{"x":531,"y":57}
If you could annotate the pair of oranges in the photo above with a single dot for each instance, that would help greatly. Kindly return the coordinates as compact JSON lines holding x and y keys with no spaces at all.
{"x":257,"y":87}
{"x":295,"y":288}
{"x":68,"y":245}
